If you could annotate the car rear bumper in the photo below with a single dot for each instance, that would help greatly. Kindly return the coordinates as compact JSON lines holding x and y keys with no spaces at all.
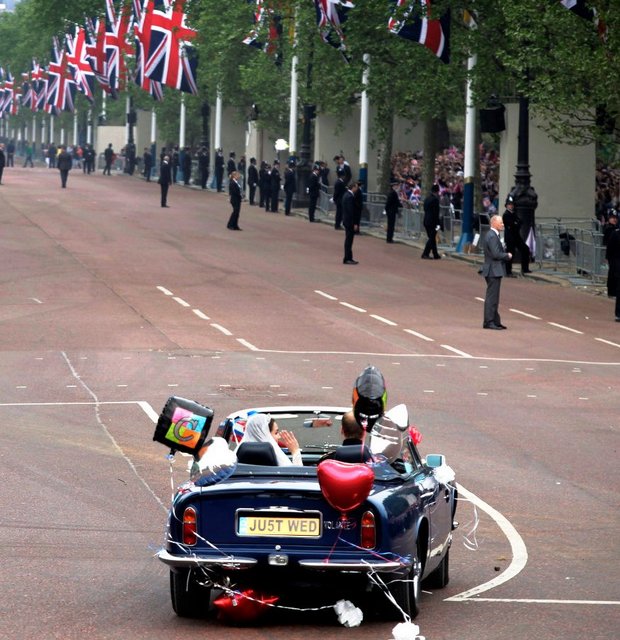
{"x":238,"y":562}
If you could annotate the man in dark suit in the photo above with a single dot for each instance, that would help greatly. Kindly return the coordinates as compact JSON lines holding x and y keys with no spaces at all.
{"x":64,"y":163}
{"x":612,"y":254}
{"x":147,"y":160}
{"x":234,"y":190}
{"x":187,"y":166}
{"x":513,"y":239}
{"x":289,"y":186}
{"x":314,"y":188}
{"x":203,"y":166}
{"x":274,"y":186}
{"x":165,"y":178}
{"x":493,"y":270}
{"x":231,"y":165}
{"x":392,"y":205}
{"x":350,"y":222}
{"x":431,"y":223}
{"x":2,"y":161}
{"x":108,"y":156}
{"x":340,"y":189}
{"x":252,"y":179}
{"x":219,"y":169}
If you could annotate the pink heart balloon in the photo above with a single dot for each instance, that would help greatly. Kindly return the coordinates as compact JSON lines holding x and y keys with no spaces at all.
{"x":344,"y":485}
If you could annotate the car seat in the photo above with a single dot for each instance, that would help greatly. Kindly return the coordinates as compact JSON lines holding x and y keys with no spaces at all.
{"x":260,"y":453}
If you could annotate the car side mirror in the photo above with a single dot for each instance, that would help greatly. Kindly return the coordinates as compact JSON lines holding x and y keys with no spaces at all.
{"x":435,"y":460}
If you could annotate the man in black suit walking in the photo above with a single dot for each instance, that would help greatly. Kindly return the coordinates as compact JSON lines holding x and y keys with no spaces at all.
{"x":289,"y":187}
{"x":64,"y":163}
{"x":274,"y":186}
{"x":431,"y":223}
{"x":350,"y":222}
{"x":340,"y":189}
{"x":493,"y":270}
{"x":165,"y":178}
{"x":147,"y":160}
{"x":392,"y":205}
{"x":314,"y":188}
{"x":219,"y":169}
{"x":234,"y":190}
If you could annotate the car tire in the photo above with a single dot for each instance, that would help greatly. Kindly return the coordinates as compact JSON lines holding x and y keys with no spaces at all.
{"x":440,"y":577}
{"x":406,"y":593}
{"x":189,"y":598}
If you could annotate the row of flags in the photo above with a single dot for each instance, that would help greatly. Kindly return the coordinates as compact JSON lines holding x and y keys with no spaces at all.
{"x":153,"y":32}
{"x":156,"y":34}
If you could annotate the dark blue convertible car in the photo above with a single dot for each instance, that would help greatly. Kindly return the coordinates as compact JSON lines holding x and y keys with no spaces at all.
{"x":246,"y":524}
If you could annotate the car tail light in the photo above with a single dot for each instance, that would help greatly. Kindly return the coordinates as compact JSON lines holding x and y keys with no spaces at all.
{"x":190,"y":531}
{"x":369,"y":530}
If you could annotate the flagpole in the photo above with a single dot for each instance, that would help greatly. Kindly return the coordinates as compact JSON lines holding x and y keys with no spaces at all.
{"x":292,"y":131}
{"x":154,"y":137}
{"x":364,"y":110}
{"x":469,"y":171}
{"x":75,"y":128}
{"x":89,"y":127}
{"x":51,"y":127}
{"x":182,"y":123}
{"x":34,"y":132}
{"x":218,"y":121}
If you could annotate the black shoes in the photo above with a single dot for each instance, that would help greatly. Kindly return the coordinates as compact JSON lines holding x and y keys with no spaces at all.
{"x":496,"y":327}
{"x":350,"y":262}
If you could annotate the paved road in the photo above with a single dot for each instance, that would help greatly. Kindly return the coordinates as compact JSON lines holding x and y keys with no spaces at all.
{"x":109,"y":304}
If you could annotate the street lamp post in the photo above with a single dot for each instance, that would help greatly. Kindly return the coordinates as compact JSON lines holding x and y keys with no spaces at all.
{"x":523,"y":193}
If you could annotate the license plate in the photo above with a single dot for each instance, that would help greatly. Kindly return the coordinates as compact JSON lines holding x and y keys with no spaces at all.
{"x":279,"y":526}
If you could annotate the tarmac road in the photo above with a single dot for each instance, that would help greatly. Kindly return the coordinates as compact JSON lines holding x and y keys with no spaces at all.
{"x":109,"y":304}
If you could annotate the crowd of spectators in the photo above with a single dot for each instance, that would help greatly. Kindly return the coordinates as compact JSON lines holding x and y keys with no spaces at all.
{"x":407,"y":167}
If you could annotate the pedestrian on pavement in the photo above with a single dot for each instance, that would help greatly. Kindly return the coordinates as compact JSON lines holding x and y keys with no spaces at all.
{"x":52,"y":152}
{"x":513,"y":239}
{"x":314,"y":189}
{"x":203,"y":166}
{"x":2,"y":161}
{"x":231,"y":165}
{"x":241,"y":168}
{"x":64,"y":163}
{"x":147,"y":161}
{"x":175,"y":160}
{"x":165,"y":178}
{"x":493,"y":270}
{"x":10,"y":153}
{"x":28,"y":151}
{"x":187,"y":166}
{"x":108,"y":156}
{"x":340,"y":189}
{"x":274,"y":186}
{"x":263,"y":185}
{"x":252,"y":179}
{"x":392,"y":205}
{"x":350,"y":222}
{"x":432,"y":223}
{"x":612,"y":254}
{"x":234,"y":190}
{"x":219,"y":169}
{"x":289,"y":186}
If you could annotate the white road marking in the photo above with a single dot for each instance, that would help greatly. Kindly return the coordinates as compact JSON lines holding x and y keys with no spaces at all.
{"x":382,"y":319}
{"x":247,"y":344}
{"x":200,"y":314}
{"x":561,"y":326}
{"x":613,"y":344}
{"x":165,"y":291}
{"x":418,"y":335}
{"x":527,"y":315}
{"x":519,"y":550}
{"x":325,"y":295}
{"x":479,"y":299}
{"x":122,"y":385}
{"x":37,"y":300}
{"x":531,"y":396}
{"x":219,"y":327}
{"x":482,"y":393}
{"x":428,"y":391}
{"x":457,"y":351}
{"x":541,"y":601}
{"x":21,"y":386}
{"x":181,"y":301}
{"x":352,"y":306}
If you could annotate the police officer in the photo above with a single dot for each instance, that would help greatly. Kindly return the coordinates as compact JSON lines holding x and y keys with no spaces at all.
{"x":513,"y":239}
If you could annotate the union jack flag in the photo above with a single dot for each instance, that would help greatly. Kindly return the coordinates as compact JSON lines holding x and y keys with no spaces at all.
{"x":171,"y":60}
{"x":142,"y":34}
{"x":5,"y":90}
{"x":433,"y":34}
{"x":96,"y":52}
{"x":9,"y":93}
{"x":77,"y":58}
{"x":117,"y":28}
{"x":330,"y":16}
{"x":61,"y":87}
{"x":27,"y":100}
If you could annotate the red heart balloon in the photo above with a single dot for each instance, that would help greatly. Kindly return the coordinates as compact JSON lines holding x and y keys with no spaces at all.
{"x":344,"y":485}
{"x":242,"y":608}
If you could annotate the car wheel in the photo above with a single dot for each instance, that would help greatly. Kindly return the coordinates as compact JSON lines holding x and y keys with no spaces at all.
{"x":189,"y":598}
{"x":406,"y":593}
{"x":440,"y":577}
